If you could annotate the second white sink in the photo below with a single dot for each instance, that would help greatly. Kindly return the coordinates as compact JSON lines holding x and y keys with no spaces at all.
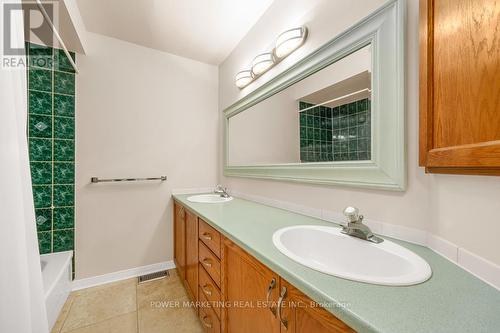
{"x":327,"y":250}
{"x":208,"y":198}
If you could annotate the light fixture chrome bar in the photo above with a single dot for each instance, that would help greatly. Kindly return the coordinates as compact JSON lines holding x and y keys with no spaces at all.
{"x":56,"y":33}
{"x":338,"y":98}
{"x":97,"y":180}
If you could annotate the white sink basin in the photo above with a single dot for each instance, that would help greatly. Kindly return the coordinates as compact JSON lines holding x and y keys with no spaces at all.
{"x":208,"y":198}
{"x":327,"y":250}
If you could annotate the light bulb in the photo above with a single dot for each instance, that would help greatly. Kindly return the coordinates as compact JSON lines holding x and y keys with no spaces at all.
{"x":262,"y":63}
{"x":289,"y":41}
{"x":243,"y":78}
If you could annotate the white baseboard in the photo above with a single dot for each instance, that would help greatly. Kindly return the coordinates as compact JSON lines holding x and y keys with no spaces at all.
{"x":472,"y":263}
{"x":443,"y":247}
{"x":121,"y":275}
{"x":479,"y":267}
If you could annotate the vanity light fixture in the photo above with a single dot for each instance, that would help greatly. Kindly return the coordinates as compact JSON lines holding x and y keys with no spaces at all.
{"x":262,"y":63}
{"x":243,"y":78}
{"x":287,"y":42}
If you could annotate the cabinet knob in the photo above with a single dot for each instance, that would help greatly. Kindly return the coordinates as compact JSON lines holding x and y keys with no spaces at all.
{"x":207,"y":236}
{"x":206,"y":262}
{"x":205,"y":323}
{"x":205,"y":290}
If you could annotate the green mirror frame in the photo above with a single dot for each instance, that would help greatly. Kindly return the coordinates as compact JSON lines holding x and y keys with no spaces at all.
{"x":385,"y":30}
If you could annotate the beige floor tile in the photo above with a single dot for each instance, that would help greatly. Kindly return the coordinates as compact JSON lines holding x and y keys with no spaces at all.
{"x":160,"y":307}
{"x":98,"y":304}
{"x":63,"y":314}
{"x":122,"y":324}
{"x":169,"y":320}
{"x":166,"y":289}
{"x":105,"y":286}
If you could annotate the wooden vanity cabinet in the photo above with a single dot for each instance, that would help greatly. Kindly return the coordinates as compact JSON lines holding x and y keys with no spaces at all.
{"x":179,"y":240}
{"x":247,"y":287}
{"x":460,"y":86}
{"x":191,"y":279}
{"x":238,"y":292}
{"x":300,"y":314}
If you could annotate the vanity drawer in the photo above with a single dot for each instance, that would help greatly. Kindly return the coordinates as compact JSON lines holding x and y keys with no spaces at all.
{"x":209,"y":236}
{"x":209,"y":289}
{"x":209,"y":262}
{"x":208,"y":317}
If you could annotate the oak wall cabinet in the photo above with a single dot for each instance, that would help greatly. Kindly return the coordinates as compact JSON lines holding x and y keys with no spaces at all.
{"x":460,"y":86}
{"x":254,"y":298}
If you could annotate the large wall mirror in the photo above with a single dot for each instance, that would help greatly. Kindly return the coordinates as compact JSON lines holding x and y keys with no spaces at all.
{"x":336,"y":117}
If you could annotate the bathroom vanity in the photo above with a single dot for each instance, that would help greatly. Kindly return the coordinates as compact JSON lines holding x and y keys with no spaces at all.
{"x":216,"y":271}
{"x":225,"y":255}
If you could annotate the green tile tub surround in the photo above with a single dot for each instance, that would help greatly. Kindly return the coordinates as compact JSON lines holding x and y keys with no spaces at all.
{"x":64,"y":128}
{"x":335,"y":134}
{"x":64,"y":105}
{"x":64,"y":150}
{"x":64,"y":195}
{"x":63,"y":240}
{"x":64,"y":172}
{"x":51,"y":134}
{"x":40,"y":102}
{"x":42,"y":196}
{"x":41,"y":173}
{"x":43,"y":219}
{"x":40,"y":149}
{"x":40,"y":56}
{"x":61,"y":61}
{"x":64,"y":218}
{"x":40,"y":126}
{"x":40,"y":79}
{"x":45,"y":242}
{"x":64,"y":83}
{"x":452,"y":300}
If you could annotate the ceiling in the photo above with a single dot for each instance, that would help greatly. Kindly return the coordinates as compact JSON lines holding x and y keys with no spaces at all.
{"x":204,"y":30}
{"x":343,"y":92}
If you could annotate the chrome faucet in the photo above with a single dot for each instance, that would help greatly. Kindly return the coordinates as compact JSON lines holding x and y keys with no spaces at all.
{"x":356,"y":228}
{"x":222,"y":191}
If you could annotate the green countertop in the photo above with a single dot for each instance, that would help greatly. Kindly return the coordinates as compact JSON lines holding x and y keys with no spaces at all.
{"x":451,"y":301}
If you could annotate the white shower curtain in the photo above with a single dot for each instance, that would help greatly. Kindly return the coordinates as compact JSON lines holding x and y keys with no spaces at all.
{"x":22,"y":305}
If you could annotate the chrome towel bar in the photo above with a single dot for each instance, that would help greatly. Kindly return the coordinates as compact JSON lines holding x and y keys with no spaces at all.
{"x":97,"y":180}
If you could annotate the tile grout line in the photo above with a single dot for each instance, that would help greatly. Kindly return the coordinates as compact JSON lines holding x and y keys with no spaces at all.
{"x":53,"y":148}
{"x":58,"y":116}
{"x":97,"y":322}
{"x":67,"y":315}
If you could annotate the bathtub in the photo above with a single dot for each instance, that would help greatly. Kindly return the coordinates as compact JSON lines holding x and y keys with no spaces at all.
{"x":57,"y":277}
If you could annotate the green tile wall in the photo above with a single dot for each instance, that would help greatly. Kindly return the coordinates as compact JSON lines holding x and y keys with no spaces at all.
{"x":342,"y":133}
{"x":51,"y":137}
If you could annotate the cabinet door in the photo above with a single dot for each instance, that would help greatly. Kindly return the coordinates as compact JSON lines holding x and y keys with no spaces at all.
{"x":192,"y":254}
{"x":297,"y":313}
{"x":179,"y":240}
{"x":460,"y":86}
{"x":245,"y":286}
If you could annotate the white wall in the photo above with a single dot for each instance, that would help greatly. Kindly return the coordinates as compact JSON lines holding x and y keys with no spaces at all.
{"x":461,"y":209}
{"x":139,"y":113}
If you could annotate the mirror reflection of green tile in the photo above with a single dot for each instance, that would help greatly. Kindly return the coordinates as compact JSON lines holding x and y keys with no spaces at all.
{"x":341,"y":133}
{"x":51,"y":137}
